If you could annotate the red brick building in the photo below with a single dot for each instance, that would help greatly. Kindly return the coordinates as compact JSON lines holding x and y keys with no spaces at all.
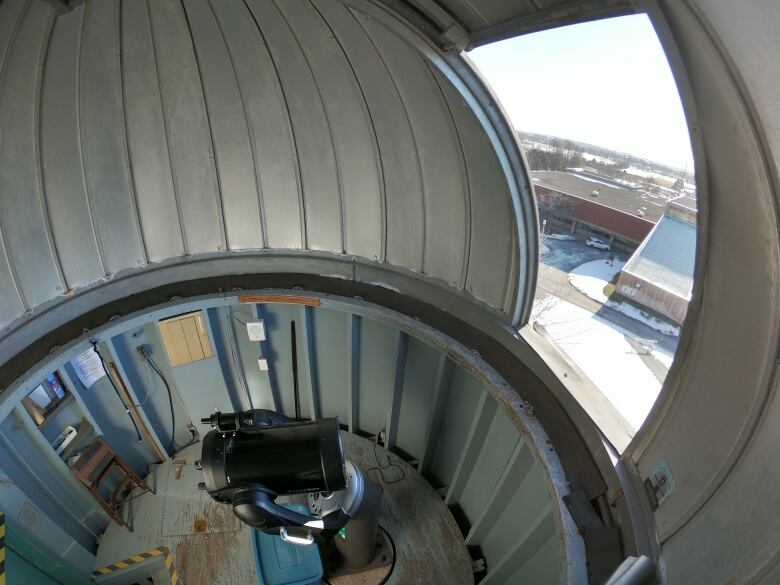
{"x":614,"y":212}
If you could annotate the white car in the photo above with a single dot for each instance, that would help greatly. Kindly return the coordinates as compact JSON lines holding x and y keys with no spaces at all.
{"x":596,"y":243}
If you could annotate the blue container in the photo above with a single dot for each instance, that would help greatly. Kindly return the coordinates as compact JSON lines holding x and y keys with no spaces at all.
{"x":282,"y":563}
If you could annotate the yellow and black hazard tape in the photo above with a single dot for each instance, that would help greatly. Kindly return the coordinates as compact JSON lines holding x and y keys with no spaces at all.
{"x":2,"y":548}
{"x":163,"y":551}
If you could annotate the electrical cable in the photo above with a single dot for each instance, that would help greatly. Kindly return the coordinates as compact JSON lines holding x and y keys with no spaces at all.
{"x":237,"y":318}
{"x":191,"y":426}
{"x":387,"y":465}
{"x":147,"y":385}
{"x":195,"y":438}
{"x":113,"y":385}
{"x":174,"y":446}
{"x":154,"y":367}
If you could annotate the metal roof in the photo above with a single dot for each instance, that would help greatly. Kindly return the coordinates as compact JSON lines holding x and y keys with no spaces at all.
{"x":686,"y":202}
{"x":169,"y":130}
{"x":623,"y":199}
{"x":667,"y":257}
{"x":486,"y":21}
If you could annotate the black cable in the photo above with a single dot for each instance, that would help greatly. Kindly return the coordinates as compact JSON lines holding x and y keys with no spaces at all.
{"x":174,"y":446}
{"x":295,"y":372}
{"x":113,"y":385}
{"x":388,"y":465}
{"x":147,"y":384}
{"x":195,"y":438}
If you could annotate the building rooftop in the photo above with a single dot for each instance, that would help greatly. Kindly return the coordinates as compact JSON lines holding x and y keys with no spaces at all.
{"x":610,"y":194}
{"x":666,"y":258}
{"x":685,"y":201}
{"x":683,"y":208}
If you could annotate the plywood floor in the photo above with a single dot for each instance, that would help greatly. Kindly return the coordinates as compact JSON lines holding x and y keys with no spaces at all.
{"x":210,"y":546}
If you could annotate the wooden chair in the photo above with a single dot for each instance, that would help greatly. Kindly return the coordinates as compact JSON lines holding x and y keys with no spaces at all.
{"x":95,"y":464}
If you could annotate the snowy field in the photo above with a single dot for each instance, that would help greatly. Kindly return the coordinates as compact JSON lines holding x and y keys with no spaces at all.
{"x":614,"y":183}
{"x":600,"y":349}
{"x":591,"y":278}
{"x":646,"y":174}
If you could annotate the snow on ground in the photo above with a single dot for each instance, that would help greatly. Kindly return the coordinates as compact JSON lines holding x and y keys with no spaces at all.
{"x":602,"y":352}
{"x":639,"y":315}
{"x":647,"y":174}
{"x":591,"y":278}
{"x":607,"y":182}
{"x":663,"y":356}
{"x":543,"y":249}
{"x":597,"y":158}
{"x":565,"y":237}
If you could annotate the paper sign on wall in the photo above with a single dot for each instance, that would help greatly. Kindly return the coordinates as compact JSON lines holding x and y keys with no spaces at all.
{"x":88,"y":367}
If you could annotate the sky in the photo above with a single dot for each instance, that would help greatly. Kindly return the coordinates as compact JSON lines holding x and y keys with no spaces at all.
{"x":606,"y":83}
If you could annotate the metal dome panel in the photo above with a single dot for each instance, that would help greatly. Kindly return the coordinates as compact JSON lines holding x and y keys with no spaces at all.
{"x":133,"y":133}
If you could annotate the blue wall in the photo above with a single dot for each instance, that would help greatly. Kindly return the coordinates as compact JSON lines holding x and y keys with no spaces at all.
{"x":19,"y":571}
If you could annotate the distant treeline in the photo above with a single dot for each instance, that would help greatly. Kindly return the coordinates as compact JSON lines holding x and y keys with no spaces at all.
{"x":550,"y":153}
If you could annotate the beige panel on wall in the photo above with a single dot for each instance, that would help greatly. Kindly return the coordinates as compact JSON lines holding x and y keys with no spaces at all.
{"x":185,"y":338}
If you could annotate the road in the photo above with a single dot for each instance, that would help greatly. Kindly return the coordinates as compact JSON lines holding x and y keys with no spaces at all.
{"x":554,"y":280}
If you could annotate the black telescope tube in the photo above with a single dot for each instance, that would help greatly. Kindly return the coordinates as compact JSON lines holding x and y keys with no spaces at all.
{"x":284,"y":459}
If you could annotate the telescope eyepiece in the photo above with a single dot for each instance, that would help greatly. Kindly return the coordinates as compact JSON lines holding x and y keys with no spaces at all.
{"x":230,"y":422}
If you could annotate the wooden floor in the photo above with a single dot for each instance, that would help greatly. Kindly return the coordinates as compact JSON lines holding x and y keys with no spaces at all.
{"x":210,"y":546}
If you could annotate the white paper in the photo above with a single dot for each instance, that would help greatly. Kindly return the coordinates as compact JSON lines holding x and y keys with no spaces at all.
{"x":88,"y":367}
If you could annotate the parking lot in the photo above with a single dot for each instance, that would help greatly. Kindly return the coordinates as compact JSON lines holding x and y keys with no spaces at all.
{"x":566,"y":255}
{"x":563,"y":256}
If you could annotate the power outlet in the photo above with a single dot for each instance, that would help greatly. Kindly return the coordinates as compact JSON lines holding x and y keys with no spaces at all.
{"x":144,"y":351}
{"x":381,"y":438}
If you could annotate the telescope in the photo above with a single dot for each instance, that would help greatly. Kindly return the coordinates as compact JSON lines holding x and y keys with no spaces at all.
{"x":251,"y":458}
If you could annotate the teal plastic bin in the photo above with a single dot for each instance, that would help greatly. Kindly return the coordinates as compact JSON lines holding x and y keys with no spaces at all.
{"x":282,"y":563}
